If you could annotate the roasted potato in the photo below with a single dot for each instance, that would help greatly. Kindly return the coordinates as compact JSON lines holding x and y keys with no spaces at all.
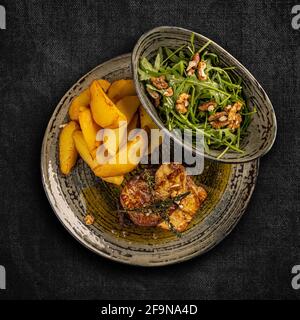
{"x":148,"y":124}
{"x":89,"y":128}
{"x":104,"y":84}
{"x":83,"y":150}
{"x":115,"y":180}
{"x":67,"y":151}
{"x":124,"y":161}
{"x":128,"y":106}
{"x":107,"y":106}
{"x":83,"y":100}
{"x":114,"y":139}
{"x":120,"y":89}
{"x":133,"y":124}
{"x":104,"y":111}
{"x":146,"y":121}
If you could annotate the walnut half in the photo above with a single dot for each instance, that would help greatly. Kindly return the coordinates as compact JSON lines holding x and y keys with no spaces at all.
{"x":89,"y":219}
{"x":201,"y":71}
{"x":230,"y":117}
{"x":182,"y":102}
{"x":160,"y":82}
{"x":193,"y":64}
{"x":208,"y":106}
{"x":234,"y":117}
{"x":155,"y":96}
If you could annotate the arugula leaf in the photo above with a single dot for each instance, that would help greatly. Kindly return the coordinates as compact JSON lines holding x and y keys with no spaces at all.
{"x":146,"y":65}
{"x":143,"y":75}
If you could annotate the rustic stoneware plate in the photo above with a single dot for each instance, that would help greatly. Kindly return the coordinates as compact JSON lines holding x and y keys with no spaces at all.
{"x":229,"y":190}
{"x":262,"y":130}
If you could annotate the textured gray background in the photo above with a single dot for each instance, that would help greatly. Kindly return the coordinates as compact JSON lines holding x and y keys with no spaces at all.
{"x":47,"y":46}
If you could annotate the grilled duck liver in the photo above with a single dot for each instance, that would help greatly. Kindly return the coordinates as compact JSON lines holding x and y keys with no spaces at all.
{"x":171,"y":180}
{"x":137,"y":194}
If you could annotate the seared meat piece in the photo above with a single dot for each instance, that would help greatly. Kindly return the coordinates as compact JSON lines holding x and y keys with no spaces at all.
{"x":198,"y":191}
{"x":179,"y":220}
{"x":137,"y":194}
{"x":171,"y":181}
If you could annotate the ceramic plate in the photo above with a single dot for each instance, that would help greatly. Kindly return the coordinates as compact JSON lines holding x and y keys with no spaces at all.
{"x":229,"y":190}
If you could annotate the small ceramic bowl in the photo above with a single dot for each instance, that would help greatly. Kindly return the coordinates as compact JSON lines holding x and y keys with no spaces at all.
{"x":262,"y":130}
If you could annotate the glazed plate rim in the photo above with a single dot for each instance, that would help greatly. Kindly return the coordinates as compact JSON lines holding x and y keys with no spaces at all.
{"x":142,"y":262}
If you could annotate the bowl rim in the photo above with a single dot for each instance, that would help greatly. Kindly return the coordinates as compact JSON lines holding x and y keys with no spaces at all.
{"x":134,"y":61}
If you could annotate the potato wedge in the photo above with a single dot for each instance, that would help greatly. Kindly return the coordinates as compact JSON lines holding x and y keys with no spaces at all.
{"x":83,"y":100}
{"x":104,"y":111}
{"x":93,"y":153}
{"x":67,"y":151}
{"x":107,"y":170}
{"x":155,"y":139}
{"x":89,"y":128}
{"x":128,"y":106}
{"x":120,"y":89}
{"x":83,"y":150}
{"x":115,"y":139}
{"x":104,"y":84}
{"x":125,"y":160}
{"x":133,"y":124}
{"x":115,"y":180}
{"x":146,"y":121}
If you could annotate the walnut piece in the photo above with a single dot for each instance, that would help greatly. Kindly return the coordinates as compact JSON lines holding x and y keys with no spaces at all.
{"x":192,"y":66}
{"x":182,"y":102}
{"x":155,"y":95}
{"x":157,"y":102}
{"x":168,"y":92}
{"x":152,"y":93}
{"x":89,"y":219}
{"x":217,"y":116}
{"x":234,"y":118}
{"x":201,"y":71}
{"x":160,"y":82}
{"x":219,"y":124}
{"x":208,"y":106}
{"x":230,"y":118}
{"x":223,"y":118}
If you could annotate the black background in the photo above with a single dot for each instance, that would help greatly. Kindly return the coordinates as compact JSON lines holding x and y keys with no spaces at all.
{"x":47,"y":46}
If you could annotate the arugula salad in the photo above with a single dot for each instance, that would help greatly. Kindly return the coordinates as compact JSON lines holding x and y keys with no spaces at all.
{"x":191,"y":89}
